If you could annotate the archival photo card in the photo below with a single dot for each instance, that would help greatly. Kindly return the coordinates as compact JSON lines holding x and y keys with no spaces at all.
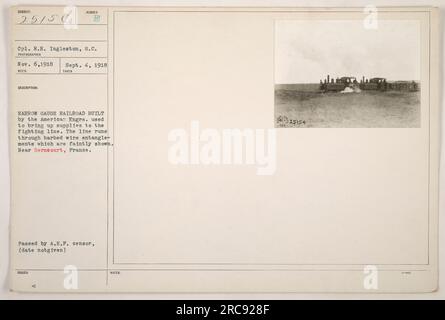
{"x":154,"y":149}
{"x":348,"y":74}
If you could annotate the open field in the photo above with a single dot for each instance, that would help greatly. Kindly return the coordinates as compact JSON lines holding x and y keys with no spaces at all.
{"x":304,"y":106}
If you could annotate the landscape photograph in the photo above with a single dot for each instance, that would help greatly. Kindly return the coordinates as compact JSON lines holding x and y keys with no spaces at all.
{"x":340,"y":74}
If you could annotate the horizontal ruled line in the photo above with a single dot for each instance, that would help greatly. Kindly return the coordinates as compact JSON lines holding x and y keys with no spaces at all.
{"x":61,"y":24}
{"x":184,"y":269}
{"x":31,"y":57}
{"x":60,"y":40}
{"x":59,"y":74}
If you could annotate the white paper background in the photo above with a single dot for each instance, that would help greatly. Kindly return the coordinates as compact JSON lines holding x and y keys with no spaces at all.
{"x":4,"y":154}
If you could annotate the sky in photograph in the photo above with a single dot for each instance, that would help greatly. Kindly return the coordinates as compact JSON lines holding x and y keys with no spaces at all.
{"x":306,"y":51}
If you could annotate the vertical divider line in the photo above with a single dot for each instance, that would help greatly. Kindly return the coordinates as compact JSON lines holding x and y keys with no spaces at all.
{"x":108,"y":129}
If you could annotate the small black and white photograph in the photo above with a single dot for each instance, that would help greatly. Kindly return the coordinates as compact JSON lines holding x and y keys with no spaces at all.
{"x":346,"y":74}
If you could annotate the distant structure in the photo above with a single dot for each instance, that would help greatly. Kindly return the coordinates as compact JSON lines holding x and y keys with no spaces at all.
{"x":376,"y":84}
{"x":339,"y":84}
{"x":404,"y":86}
